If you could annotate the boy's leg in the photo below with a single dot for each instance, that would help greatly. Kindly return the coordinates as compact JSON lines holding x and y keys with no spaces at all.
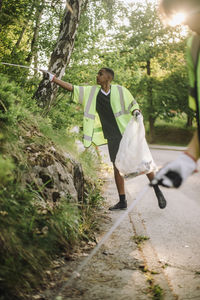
{"x":119,"y":180}
{"x":113,"y":146}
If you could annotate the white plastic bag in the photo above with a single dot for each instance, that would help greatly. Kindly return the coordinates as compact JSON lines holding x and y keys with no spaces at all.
{"x":134,"y":157}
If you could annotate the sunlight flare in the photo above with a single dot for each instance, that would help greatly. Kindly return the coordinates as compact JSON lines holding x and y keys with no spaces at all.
{"x":177,"y":19}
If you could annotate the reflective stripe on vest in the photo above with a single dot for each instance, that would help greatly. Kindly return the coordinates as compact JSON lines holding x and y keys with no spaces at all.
{"x":195,"y":50}
{"x":90,"y":98}
{"x":88,"y":105}
{"x":87,"y":138}
{"x":81,"y":94}
{"x":93,"y":130}
{"x":122,"y":101}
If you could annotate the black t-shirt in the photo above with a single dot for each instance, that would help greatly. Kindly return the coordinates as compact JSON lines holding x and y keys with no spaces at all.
{"x":107,"y":118}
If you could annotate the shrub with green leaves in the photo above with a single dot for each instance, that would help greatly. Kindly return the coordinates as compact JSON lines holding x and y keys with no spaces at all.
{"x":6,"y":171}
{"x":34,"y":231}
{"x":11,"y":96}
{"x":31,"y":232}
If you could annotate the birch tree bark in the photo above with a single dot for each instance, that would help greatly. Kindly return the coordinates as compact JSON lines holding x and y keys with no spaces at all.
{"x":60,"y":57}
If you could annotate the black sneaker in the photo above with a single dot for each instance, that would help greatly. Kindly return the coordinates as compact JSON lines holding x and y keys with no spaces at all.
{"x":161,"y":199}
{"x":119,"y":205}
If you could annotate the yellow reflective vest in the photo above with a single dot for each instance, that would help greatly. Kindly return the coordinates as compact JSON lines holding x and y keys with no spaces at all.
{"x":193,"y":61}
{"x":122,"y":103}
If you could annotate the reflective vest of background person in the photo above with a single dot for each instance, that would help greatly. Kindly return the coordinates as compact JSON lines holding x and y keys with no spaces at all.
{"x":122,"y":103}
{"x":175,"y":172}
{"x":193,"y":61}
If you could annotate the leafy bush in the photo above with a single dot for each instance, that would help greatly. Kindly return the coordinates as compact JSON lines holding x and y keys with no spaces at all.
{"x":6,"y":169}
{"x":65,"y":114}
{"x":33,"y":232}
{"x":11,"y":100}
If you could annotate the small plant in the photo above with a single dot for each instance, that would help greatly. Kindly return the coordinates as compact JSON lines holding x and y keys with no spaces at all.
{"x":139,"y":239}
{"x":197,"y":273}
{"x":165,"y":266}
{"x":154,"y":289}
{"x":144,"y":269}
{"x":157,"y":292}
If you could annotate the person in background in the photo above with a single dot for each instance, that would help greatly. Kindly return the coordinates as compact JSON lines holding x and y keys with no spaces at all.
{"x":177,"y":171}
{"x":108,"y":109}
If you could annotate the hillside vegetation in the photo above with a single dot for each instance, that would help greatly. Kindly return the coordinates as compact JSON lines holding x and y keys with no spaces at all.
{"x":36,"y":222}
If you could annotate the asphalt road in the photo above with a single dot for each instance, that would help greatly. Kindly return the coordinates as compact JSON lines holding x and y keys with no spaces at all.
{"x":167,"y":263}
{"x":172,"y":253}
{"x":174,"y":245}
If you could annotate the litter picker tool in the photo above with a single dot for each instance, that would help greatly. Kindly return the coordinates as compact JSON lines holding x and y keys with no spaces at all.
{"x":21,"y":66}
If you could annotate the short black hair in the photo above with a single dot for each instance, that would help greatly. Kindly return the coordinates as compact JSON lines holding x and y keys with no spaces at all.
{"x":110,"y":71}
{"x":168,"y":7}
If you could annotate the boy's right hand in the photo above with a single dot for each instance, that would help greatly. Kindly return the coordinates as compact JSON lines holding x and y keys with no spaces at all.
{"x":50,"y":75}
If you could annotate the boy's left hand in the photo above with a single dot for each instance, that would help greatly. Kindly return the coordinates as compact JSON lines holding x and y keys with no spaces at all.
{"x":136,"y":113}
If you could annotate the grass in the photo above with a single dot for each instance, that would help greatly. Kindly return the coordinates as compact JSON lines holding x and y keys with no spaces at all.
{"x":154,"y":289}
{"x":32,"y":232}
{"x":197,"y":273}
{"x":157,"y":292}
{"x":139,"y":239}
{"x":174,"y":133}
{"x":166,"y":135}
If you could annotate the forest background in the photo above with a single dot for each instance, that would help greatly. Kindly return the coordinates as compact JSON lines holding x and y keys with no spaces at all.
{"x":147,"y":57}
{"x":73,"y":40}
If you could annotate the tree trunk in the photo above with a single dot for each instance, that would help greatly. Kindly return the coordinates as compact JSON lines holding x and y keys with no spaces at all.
{"x":23,"y":29}
{"x":189,"y":121}
{"x":38,"y":17}
{"x":150,"y":102}
{"x":35,"y":63}
{"x":148,"y":66}
{"x":151,"y":129}
{"x":20,"y":38}
{"x":60,"y":57}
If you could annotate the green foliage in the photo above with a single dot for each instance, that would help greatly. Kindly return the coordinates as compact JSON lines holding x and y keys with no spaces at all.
{"x":90,"y":160}
{"x":92,"y":199}
{"x":147,"y":58}
{"x":172,"y":134}
{"x":13,"y":102}
{"x":65,"y":114}
{"x":33,"y":230}
{"x":124,"y":37}
{"x":139,"y":239}
{"x":20,"y":258}
{"x":157,"y":292}
{"x":6,"y":171}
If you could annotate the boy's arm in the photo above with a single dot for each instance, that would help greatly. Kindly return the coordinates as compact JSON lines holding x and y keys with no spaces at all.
{"x":67,"y":86}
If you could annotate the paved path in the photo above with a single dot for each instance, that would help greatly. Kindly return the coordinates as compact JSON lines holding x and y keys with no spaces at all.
{"x":173,"y":250}
{"x":169,"y":261}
